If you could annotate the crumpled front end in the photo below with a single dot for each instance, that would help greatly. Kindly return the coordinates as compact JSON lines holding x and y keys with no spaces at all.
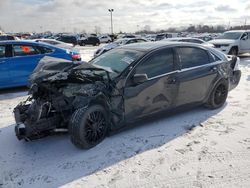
{"x":50,"y":106}
{"x":41,"y":114}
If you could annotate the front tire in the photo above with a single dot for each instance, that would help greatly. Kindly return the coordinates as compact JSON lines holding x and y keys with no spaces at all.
{"x":88,"y":126}
{"x":218,"y":96}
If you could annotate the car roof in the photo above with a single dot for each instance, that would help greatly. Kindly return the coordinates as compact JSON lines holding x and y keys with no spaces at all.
{"x":241,"y":31}
{"x":149,"y":46}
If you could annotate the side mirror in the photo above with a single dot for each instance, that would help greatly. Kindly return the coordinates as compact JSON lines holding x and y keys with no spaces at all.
{"x":140,"y":78}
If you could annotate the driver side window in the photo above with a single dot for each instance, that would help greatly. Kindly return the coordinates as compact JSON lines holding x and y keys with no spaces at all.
{"x":157,"y":64}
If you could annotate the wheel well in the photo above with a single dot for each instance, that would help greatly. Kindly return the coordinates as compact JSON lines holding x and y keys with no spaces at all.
{"x":214,"y":84}
{"x":235,"y":47}
{"x":100,"y":102}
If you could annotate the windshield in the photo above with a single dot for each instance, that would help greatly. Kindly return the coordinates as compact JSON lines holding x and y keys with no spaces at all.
{"x":116,"y":60}
{"x":231,"y":35}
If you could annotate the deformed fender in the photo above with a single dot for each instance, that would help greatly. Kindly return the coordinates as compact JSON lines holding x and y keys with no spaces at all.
{"x":113,"y":106}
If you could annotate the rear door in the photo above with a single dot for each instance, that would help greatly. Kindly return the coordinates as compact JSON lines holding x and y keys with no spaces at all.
{"x":197,"y":73}
{"x":158,"y":92}
{"x":25,"y":59}
{"x":4,"y":67}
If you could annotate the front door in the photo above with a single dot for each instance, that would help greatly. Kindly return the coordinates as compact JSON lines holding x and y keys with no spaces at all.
{"x":155,"y":94}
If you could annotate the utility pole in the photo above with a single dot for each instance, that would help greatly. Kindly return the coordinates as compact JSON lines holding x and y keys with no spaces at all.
{"x":111,"y":16}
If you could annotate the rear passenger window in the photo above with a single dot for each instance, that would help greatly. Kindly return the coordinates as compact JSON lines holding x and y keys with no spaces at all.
{"x":2,"y":51}
{"x":192,"y":57}
{"x":24,"y":50}
{"x":44,"y":50}
{"x":159,"y":63}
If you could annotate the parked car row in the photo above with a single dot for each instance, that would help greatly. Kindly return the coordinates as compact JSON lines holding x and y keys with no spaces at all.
{"x":119,"y":42}
{"x":7,"y":37}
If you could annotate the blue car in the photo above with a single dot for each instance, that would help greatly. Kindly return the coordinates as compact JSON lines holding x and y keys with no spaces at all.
{"x":19,"y":58}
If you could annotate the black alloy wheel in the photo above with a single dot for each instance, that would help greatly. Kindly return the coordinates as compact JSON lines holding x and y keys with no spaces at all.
{"x":220,"y":94}
{"x":95,"y":126}
{"x":88,"y":126}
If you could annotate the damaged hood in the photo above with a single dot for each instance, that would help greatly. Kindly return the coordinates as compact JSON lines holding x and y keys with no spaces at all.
{"x":51,"y":69}
{"x":49,"y":66}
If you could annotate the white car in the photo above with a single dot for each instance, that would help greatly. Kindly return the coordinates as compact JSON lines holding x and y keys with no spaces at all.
{"x":233,"y":42}
{"x":119,"y":42}
{"x":105,"y":39}
{"x":189,"y":39}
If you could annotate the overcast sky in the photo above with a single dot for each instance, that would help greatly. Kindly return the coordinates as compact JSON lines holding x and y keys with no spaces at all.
{"x":128,"y":15}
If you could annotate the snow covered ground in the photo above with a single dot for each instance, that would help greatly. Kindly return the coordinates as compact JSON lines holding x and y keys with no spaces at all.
{"x":196,"y":148}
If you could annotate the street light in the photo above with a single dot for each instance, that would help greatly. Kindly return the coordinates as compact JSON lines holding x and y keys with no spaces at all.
{"x":111,"y":10}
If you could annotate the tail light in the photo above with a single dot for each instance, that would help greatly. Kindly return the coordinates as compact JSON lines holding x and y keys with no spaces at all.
{"x":76,"y":57}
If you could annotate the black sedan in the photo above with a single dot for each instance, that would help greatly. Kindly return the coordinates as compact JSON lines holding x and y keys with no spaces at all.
{"x":71,"y":39}
{"x":91,"y":40}
{"x":121,"y":86}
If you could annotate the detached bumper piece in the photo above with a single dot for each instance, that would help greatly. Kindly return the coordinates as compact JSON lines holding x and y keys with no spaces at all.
{"x":235,"y":79}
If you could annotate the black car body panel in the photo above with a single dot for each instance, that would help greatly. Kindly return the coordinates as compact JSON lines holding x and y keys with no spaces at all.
{"x":59,"y":90}
{"x":71,"y":39}
{"x":91,"y":40}
{"x":7,"y":37}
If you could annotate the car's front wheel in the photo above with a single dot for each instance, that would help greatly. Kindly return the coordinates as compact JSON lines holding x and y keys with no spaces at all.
{"x":88,"y":127}
{"x":218,"y":95}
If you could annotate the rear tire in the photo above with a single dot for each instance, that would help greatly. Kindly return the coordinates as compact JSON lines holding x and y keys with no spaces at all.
{"x":218,"y":96}
{"x":88,"y":126}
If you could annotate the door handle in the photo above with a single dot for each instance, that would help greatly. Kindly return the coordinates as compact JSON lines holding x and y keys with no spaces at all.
{"x":171,"y":81}
{"x":2,"y":61}
{"x":213,"y":69}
